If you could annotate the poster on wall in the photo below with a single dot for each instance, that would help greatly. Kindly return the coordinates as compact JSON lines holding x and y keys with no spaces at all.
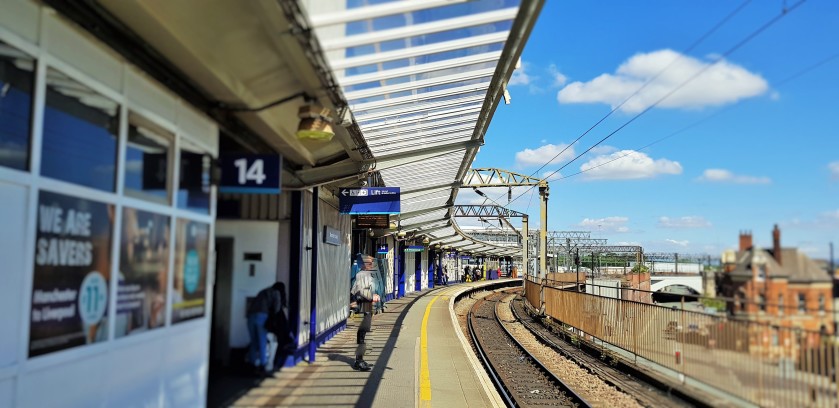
{"x":72,"y":271}
{"x":190,"y":283}
{"x":143,"y":272}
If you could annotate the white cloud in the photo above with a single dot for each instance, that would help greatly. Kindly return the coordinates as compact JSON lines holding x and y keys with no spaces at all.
{"x":608,"y":224}
{"x":628,"y":164}
{"x":559,"y":78}
{"x":831,"y":215}
{"x":603,"y":149}
{"x":690,"y":221}
{"x":520,"y":76}
{"x":834,"y":169}
{"x":551,"y":175}
{"x":721,"y":84}
{"x":726,"y":176}
{"x":541,"y":155}
{"x":682,"y":244}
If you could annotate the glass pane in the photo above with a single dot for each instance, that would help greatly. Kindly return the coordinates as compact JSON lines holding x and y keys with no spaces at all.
{"x":427,"y":39}
{"x":147,"y":161}
{"x":16,"y":79}
{"x":191,"y":248}
{"x":424,"y":59}
{"x":421,"y":76}
{"x":80,"y":134}
{"x":143,"y":272}
{"x":427,"y":15}
{"x":72,"y":273}
{"x":194,"y":188}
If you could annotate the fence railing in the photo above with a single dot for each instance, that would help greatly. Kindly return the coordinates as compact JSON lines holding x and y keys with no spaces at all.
{"x":759,"y":362}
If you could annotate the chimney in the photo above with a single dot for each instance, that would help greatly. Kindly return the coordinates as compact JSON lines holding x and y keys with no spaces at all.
{"x":776,"y":244}
{"x":745,"y":240}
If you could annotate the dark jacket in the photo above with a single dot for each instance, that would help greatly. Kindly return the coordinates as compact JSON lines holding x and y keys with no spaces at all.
{"x":268,"y":301}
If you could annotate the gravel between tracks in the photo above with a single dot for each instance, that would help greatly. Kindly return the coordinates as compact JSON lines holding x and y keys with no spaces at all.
{"x":596,"y":391}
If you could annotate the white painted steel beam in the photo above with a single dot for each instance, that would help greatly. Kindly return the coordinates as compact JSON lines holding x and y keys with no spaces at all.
{"x":419,"y":69}
{"x":420,"y":127}
{"x":420,"y":118}
{"x":408,"y":109}
{"x":480,"y":87}
{"x":380,"y":10}
{"x":332,"y":44}
{"x":423,"y":83}
{"x":414,"y":52}
{"x":448,"y":132}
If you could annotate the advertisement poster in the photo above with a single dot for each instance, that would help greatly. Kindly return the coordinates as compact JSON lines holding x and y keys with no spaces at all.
{"x":190,"y":287}
{"x":144,"y":270}
{"x":72,"y":271}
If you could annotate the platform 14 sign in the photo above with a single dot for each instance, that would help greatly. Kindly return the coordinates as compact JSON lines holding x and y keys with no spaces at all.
{"x":250,"y":173}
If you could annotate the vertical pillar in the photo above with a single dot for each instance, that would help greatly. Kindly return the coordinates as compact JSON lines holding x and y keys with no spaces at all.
{"x":313,"y":282}
{"x":417,"y":271}
{"x":543,"y":231}
{"x":401,"y":275}
{"x":431,"y":269}
{"x":525,"y":249}
{"x":296,"y":254}
{"x":440,"y":264}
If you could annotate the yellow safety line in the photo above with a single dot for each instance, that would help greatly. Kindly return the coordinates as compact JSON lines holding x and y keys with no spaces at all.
{"x":425,"y":375}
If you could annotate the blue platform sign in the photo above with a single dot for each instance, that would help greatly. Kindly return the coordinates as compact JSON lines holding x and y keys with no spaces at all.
{"x":382,"y":249}
{"x":414,"y":248}
{"x":250,"y":173}
{"x":369,"y":200}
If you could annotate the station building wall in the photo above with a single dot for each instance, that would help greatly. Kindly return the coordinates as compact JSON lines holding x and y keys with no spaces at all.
{"x":333,"y":278}
{"x":106,"y":276}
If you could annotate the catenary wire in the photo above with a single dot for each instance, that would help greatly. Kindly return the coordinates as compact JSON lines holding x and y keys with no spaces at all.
{"x":737,"y":46}
{"x":643,"y":86}
{"x":707,"y":118}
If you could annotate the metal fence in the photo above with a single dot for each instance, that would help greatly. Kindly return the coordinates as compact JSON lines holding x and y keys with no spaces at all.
{"x":761,"y":363}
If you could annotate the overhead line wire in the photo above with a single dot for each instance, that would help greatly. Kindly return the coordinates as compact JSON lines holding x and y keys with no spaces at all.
{"x":709,"y":117}
{"x":737,"y":46}
{"x":649,"y":81}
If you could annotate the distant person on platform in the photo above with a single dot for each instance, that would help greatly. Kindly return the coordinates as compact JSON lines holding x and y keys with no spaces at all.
{"x":364,"y":292}
{"x":267,"y":303}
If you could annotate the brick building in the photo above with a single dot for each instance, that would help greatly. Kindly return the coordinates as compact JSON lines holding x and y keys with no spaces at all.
{"x":781,"y":286}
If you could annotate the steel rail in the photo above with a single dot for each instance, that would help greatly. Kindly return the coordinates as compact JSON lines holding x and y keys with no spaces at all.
{"x":506,"y":393}
{"x":576,"y":398}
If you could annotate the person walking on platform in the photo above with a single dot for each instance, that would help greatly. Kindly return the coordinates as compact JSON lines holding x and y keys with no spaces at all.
{"x":364,"y":292}
{"x":267,"y":303}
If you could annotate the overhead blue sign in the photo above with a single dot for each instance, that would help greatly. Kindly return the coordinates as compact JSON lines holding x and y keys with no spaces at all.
{"x":382,"y":249}
{"x":369,"y":200}
{"x":250,"y":173}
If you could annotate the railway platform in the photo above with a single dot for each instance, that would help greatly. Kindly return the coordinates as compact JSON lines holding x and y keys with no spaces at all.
{"x":418,"y":355}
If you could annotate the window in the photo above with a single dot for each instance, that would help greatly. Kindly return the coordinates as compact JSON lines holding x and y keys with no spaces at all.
{"x":80,"y":134}
{"x":194,"y":188}
{"x":802,"y":304}
{"x":147,"y":160}
{"x":821,"y":303}
{"x":761,"y":303}
{"x":16,"y":79}
{"x":780,"y":305}
{"x":144,"y":271}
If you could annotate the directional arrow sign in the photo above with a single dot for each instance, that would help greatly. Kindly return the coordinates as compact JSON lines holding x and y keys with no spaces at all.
{"x":369,"y":200}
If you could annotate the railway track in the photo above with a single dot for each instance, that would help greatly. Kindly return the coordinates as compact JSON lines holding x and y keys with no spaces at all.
{"x":520,"y":378}
{"x":647,"y":394}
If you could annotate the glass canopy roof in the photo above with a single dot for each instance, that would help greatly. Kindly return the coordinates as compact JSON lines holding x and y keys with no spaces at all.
{"x":416,"y":74}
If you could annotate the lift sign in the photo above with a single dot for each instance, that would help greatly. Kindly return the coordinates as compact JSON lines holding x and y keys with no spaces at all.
{"x":250,"y":173}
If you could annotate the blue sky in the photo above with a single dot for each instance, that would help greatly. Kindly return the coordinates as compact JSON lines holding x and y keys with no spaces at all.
{"x":766,"y":153}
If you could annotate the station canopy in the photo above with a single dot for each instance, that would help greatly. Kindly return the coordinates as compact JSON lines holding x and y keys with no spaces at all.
{"x":412,"y":84}
{"x":422,"y":79}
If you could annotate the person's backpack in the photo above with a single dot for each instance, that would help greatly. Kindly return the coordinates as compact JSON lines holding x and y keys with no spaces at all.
{"x":363,"y":288}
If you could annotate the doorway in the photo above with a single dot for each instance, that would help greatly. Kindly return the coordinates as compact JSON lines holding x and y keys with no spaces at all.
{"x":222,"y":293}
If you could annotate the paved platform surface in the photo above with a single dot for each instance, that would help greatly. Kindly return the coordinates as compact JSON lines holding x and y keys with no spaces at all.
{"x":403,"y":374}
